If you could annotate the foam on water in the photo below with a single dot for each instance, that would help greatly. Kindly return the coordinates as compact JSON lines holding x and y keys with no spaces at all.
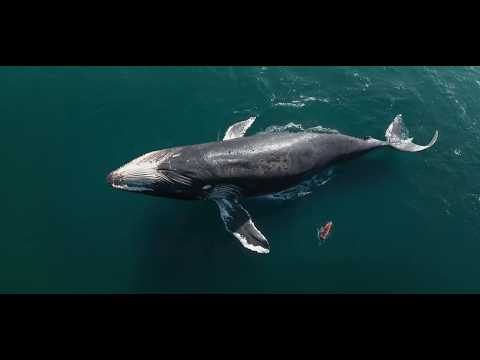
{"x":365,"y":80}
{"x":303,"y":189}
{"x":294,"y":103}
{"x":295,"y":127}
{"x":290,"y":127}
{"x":300,"y":102}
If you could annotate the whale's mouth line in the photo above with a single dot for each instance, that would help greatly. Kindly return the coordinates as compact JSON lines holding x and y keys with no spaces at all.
{"x":130,"y":187}
{"x":148,"y":181}
{"x":122,"y":183}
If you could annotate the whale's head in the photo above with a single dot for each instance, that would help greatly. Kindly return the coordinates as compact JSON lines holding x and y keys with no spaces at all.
{"x":153,"y":174}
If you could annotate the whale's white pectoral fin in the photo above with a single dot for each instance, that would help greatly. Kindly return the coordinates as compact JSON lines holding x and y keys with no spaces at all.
{"x":238,"y":129}
{"x":237,"y":220}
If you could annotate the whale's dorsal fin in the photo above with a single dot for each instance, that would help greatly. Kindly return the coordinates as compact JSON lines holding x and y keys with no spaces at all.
{"x":238,"y":129}
{"x":237,"y":221}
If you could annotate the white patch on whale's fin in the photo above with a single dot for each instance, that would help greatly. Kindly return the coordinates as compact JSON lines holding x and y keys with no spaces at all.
{"x":237,"y":221}
{"x":397,"y":137}
{"x":238,"y":129}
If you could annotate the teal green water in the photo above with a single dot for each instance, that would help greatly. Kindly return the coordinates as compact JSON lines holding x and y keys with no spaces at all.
{"x":402,"y":222}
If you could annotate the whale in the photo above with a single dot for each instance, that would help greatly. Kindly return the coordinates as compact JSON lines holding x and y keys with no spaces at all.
{"x":242,"y":166}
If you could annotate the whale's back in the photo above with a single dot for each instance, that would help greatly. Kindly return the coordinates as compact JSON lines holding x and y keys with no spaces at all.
{"x":260,"y":164}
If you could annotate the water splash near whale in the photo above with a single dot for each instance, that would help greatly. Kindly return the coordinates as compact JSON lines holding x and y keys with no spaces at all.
{"x":295,"y":127}
{"x":303,"y":189}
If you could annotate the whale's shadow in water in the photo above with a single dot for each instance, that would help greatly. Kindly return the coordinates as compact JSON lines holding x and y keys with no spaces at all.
{"x":185,"y":247}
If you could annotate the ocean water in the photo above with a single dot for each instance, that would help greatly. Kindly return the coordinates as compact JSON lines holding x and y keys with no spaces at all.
{"x":403,"y":222}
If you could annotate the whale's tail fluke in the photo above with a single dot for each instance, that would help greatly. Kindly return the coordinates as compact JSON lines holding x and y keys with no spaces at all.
{"x":397,"y":137}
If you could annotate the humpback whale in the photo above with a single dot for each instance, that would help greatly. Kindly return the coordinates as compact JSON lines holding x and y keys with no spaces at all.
{"x":247,"y":166}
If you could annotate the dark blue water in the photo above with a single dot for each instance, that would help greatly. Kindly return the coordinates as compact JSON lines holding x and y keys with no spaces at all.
{"x":402,"y":222}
